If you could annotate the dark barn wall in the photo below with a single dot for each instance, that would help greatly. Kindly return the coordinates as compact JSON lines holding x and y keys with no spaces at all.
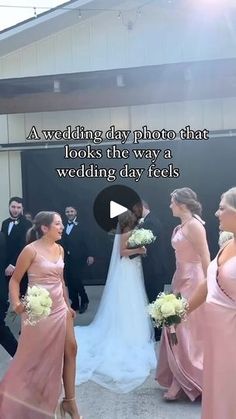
{"x":208,"y":167}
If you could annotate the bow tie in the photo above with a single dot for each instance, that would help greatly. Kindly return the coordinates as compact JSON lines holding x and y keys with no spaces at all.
{"x":14,"y":221}
{"x":70,"y":222}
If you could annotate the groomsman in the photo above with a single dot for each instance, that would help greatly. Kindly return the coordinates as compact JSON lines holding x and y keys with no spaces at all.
{"x":15,"y":228}
{"x":76,"y":257}
{"x":154,"y":267}
{"x":7,"y":340}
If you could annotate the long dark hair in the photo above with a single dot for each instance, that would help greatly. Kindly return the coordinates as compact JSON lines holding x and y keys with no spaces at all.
{"x":127,"y":221}
{"x":43,"y":218}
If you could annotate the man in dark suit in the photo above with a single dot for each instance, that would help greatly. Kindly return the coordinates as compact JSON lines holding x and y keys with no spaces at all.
{"x":15,"y":228}
{"x":154,"y":268}
{"x":7,"y":340}
{"x":74,"y":242}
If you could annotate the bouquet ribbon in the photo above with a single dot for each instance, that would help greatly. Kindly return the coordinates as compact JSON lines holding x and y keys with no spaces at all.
{"x":173,"y":336}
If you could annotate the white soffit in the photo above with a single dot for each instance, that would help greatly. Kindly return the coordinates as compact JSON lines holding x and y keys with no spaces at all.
{"x":57,"y":19}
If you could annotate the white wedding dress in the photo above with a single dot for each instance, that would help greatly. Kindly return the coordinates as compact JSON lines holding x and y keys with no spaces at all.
{"x":117,"y":349}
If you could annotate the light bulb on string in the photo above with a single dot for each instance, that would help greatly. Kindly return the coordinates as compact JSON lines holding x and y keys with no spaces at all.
{"x":139,"y":12}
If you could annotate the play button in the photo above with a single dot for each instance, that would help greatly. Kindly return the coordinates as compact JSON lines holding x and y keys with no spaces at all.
{"x":116,"y":209}
{"x":112,"y":202}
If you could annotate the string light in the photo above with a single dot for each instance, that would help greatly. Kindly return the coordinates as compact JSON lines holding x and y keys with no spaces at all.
{"x":121,"y":14}
{"x":67,"y":8}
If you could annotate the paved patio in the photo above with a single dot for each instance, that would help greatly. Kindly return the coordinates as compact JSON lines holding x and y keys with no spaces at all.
{"x":96,"y":402}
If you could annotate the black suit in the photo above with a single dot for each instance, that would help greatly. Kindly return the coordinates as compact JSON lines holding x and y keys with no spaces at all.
{"x":154,"y":263}
{"x":76,"y":254}
{"x":7,"y":339}
{"x":154,"y":269}
{"x":15,"y":242}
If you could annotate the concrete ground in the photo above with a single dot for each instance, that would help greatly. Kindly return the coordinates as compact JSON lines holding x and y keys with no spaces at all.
{"x":95,"y":402}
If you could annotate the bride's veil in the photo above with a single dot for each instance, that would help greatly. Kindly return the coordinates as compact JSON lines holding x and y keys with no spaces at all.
{"x":107,"y":299}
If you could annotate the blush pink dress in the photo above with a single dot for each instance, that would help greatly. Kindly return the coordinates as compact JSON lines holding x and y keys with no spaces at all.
{"x":32,"y":385}
{"x":219,"y":376}
{"x":184,"y":361}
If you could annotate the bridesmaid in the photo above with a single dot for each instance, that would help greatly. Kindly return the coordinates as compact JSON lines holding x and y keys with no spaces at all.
{"x":46,"y":352}
{"x":180,"y":366}
{"x":219,"y":291}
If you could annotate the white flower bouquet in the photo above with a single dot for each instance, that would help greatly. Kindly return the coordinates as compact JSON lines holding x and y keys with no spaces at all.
{"x":38,"y":303}
{"x":140,"y":237}
{"x":168,"y":310}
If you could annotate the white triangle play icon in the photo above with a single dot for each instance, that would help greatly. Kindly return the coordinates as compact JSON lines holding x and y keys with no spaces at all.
{"x":116,"y":209}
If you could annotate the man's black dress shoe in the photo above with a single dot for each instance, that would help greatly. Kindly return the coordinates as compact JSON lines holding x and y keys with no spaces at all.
{"x":83,"y":308}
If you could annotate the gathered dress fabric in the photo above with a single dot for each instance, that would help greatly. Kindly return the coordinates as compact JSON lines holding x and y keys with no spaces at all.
{"x":32,"y":386}
{"x":218,"y":397}
{"x":184,"y":361}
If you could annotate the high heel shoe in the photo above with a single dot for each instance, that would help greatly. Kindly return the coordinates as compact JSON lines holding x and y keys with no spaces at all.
{"x":174,"y":392}
{"x":64,"y":411}
{"x":168,"y":397}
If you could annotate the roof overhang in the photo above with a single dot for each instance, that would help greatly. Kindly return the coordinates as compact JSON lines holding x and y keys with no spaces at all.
{"x":120,"y":87}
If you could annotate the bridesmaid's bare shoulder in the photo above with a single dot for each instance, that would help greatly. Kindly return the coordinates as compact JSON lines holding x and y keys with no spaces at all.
{"x":195,"y":225}
{"x":195,"y":230}
{"x":29,"y":251}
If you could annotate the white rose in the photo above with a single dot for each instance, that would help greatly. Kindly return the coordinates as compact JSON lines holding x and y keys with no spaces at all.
{"x":168,"y":298}
{"x":46,"y":311}
{"x":168,"y":309}
{"x":159,"y":301}
{"x":34,"y":291}
{"x":35,"y":307}
{"x":157,"y":314}
{"x":45,"y":301}
{"x":44,"y":292}
{"x":49,"y":303}
{"x":179,"y":306}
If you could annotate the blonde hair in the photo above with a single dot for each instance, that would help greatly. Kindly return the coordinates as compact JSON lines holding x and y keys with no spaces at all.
{"x":230,"y":198}
{"x":224,"y":237}
{"x":188,"y":197}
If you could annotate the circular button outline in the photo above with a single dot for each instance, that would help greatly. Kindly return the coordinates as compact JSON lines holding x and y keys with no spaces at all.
{"x":123,"y":195}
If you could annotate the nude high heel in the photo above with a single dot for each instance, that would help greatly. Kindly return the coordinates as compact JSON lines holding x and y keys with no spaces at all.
{"x":64,"y":412}
{"x":174,"y":393}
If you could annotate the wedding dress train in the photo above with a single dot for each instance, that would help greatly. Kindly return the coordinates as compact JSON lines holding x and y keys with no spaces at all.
{"x":117,"y":349}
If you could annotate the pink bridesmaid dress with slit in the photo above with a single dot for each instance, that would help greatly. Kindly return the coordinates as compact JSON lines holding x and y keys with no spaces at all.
{"x":32,"y":386}
{"x":184,"y":361}
{"x":219,"y":373}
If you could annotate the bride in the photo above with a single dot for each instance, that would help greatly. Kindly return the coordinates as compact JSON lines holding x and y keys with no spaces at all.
{"x":117,"y":349}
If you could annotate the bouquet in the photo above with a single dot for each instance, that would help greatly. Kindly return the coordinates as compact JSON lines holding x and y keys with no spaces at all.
{"x":38,"y":303}
{"x":168,"y":310}
{"x":140,"y":237}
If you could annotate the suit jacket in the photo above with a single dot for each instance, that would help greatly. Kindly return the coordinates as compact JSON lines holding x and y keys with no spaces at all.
{"x":2,"y":256}
{"x":16,"y":240}
{"x":154,"y":264}
{"x":75,"y":247}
